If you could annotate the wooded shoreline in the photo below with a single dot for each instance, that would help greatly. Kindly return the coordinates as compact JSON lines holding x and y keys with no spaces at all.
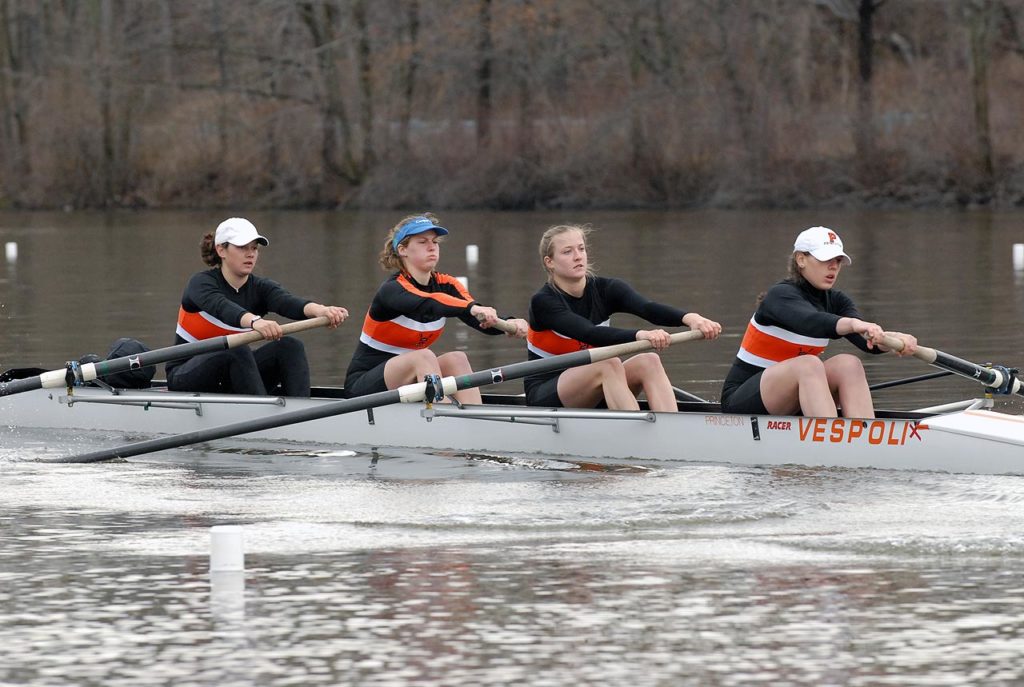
{"x":511,"y":104}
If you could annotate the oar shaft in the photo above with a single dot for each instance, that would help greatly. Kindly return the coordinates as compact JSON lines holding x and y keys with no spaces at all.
{"x":990,"y":377}
{"x":552,"y":364}
{"x":90,"y":371}
{"x":410,"y":393}
{"x":162,"y":355}
{"x":245,"y":427}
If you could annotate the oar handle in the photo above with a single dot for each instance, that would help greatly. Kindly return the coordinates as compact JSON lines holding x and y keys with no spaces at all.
{"x":928,"y":355}
{"x":606,"y":352}
{"x":499,"y":324}
{"x":236,"y":340}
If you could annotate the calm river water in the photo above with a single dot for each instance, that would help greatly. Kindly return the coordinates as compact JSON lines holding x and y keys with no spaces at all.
{"x":403,"y":568}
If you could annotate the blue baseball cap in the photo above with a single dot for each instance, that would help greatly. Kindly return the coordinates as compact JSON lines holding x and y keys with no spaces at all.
{"x":417,"y":225}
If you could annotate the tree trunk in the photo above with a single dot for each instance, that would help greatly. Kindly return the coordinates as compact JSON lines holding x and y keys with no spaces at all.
{"x":106,"y":97}
{"x":484,"y":74}
{"x":409,"y":77}
{"x":220,"y":38}
{"x":364,"y":62}
{"x":170,"y":40}
{"x":742,"y":101}
{"x":980,"y":26}
{"x":14,"y":131}
{"x":864,"y":127}
{"x":335,"y":152}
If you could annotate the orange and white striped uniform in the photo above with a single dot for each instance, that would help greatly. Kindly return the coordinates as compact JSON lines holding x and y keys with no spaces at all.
{"x":400,"y":334}
{"x":547,"y":342}
{"x":765,"y":345}
{"x":389,"y":329}
{"x":197,"y":326}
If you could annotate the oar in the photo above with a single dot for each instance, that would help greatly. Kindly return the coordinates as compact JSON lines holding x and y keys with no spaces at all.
{"x":996,"y":377}
{"x":74,"y":374}
{"x":686,"y":397}
{"x":410,"y":393}
{"x":908,"y":380}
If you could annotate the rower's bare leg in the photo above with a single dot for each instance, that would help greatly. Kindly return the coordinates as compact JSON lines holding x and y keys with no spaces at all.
{"x":798,"y":384}
{"x":410,"y":367}
{"x":588,"y":385}
{"x":849,"y":384}
{"x":645,"y":372}
{"x":456,"y":363}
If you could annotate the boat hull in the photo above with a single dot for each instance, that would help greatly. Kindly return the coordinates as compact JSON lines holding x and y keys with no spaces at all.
{"x":973,"y":441}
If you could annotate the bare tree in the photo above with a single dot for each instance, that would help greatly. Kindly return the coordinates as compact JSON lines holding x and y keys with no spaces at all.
{"x":864,"y":127}
{"x":410,"y":69}
{"x":485,"y":64}
{"x":364,"y":66}
{"x":14,"y":129}
{"x":861,"y":13}
{"x":981,"y":18}
{"x":336,"y":153}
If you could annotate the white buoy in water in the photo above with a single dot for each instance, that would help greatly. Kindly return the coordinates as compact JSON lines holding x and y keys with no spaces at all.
{"x":11,"y":250}
{"x":472,"y":255}
{"x":464,"y":281}
{"x":1018,"y":256}
{"x":226,"y":551}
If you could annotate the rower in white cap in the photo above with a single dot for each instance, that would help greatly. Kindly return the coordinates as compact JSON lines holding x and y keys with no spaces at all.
{"x":779,"y":369}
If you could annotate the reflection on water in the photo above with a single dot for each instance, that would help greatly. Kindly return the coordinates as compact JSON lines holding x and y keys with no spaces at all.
{"x":392,"y":567}
{"x":505,"y":573}
{"x":646,"y":612}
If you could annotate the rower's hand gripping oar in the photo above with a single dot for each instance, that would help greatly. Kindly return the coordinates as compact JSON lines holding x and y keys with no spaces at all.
{"x":73,"y":374}
{"x":999,"y":379}
{"x":501,"y":325}
{"x":410,"y":393}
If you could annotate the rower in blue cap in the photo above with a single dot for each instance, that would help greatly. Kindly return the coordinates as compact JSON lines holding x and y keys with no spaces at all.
{"x":408,"y":315}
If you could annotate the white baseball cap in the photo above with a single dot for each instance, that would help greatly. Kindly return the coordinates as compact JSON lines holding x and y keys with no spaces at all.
{"x":821,"y":242}
{"x":238,"y":231}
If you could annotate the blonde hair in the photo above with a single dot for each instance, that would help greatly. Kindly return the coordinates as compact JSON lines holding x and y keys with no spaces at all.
{"x":548,"y":238}
{"x":389,"y":258}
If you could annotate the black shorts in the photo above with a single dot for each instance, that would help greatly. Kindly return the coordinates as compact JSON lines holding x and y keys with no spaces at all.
{"x":544,"y":394}
{"x":365,"y":383}
{"x":745,"y":398}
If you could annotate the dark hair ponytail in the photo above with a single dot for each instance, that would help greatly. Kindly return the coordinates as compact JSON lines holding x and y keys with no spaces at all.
{"x":208,"y":250}
{"x":793,"y":276}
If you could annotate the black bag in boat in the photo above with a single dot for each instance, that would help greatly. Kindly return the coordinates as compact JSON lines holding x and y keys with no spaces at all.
{"x":140,"y":378}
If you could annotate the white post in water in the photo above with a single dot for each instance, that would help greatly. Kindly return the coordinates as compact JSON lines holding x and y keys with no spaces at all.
{"x":227,"y":572}
{"x":11,"y":249}
{"x":472,"y":255}
{"x":226,"y":553}
{"x":464,"y":281}
{"x":1018,"y":256}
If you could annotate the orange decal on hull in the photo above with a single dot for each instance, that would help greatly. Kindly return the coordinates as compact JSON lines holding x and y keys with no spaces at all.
{"x":841,"y":430}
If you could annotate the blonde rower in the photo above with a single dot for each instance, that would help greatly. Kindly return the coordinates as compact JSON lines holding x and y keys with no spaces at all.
{"x":571,"y":312}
